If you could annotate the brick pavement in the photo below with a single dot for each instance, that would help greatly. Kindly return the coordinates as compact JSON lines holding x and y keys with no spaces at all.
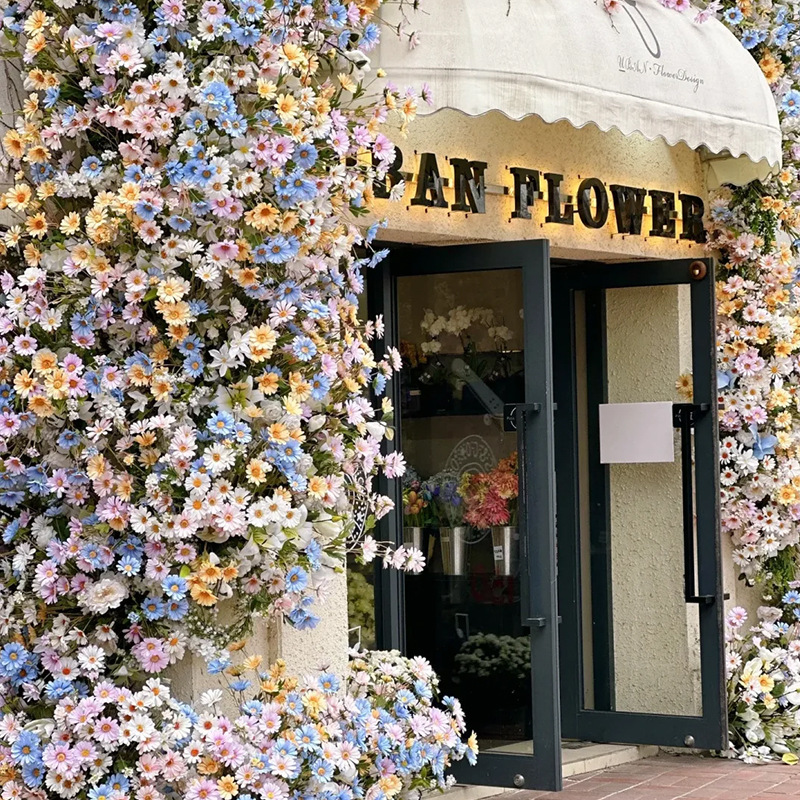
{"x":674,"y":777}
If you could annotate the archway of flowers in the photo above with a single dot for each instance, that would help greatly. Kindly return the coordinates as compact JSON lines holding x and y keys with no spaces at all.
{"x":185,"y":436}
{"x":185,"y":439}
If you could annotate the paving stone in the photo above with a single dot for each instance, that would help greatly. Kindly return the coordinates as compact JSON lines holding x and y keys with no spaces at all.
{"x":673,"y":777}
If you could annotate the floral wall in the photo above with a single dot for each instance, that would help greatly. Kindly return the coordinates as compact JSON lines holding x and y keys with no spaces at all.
{"x":186,"y":439}
{"x":752,"y":228}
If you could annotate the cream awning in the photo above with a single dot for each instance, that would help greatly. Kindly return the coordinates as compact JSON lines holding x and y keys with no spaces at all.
{"x":647,"y":69}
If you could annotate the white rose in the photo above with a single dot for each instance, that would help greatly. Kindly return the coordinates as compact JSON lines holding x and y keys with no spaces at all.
{"x":328,"y":528}
{"x":41,"y":727}
{"x":376,"y":429}
{"x":316,"y":422}
{"x":100,"y":597}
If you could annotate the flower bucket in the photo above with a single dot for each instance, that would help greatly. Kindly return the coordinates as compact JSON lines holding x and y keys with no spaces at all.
{"x":454,"y":550}
{"x":420,"y":538}
{"x":505,"y":544}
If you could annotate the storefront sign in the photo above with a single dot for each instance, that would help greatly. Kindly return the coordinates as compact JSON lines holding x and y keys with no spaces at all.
{"x":591,"y":203}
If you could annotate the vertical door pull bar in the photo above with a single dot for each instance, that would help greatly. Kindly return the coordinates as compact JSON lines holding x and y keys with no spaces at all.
{"x":515,"y":418}
{"x":684,"y":416}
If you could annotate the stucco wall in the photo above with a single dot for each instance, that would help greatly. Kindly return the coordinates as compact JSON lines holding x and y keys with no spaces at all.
{"x":326,"y":645}
{"x":656,"y":645}
{"x":305,"y":652}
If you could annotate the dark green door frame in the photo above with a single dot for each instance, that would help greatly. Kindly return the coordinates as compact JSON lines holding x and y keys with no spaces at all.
{"x":558,"y":679}
{"x":542,"y":768}
{"x":603,"y":723}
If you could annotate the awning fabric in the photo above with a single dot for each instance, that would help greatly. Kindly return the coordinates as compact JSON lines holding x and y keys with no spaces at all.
{"x":646,"y":69}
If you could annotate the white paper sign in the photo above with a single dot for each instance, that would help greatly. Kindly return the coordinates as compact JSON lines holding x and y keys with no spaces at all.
{"x":636,"y":433}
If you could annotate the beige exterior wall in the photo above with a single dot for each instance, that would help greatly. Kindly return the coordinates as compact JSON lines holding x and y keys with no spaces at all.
{"x":326,"y":646}
{"x":306,"y":652}
{"x":656,"y":639}
{"x":575,"y":153}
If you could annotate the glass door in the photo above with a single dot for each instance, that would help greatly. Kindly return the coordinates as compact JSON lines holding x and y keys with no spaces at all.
{"x":475,"y":416}
{"x":640,"y":589}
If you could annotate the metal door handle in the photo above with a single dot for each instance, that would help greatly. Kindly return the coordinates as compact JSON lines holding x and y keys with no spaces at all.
{"x":684,"y":416}
{"x":516,"y":418}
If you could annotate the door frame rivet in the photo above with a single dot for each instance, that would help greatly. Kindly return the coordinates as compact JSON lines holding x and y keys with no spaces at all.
{"x":519,"y":781}
{"x":698,"y":270}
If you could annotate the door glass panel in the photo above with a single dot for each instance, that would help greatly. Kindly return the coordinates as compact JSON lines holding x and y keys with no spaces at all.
{"x":461,"y":337}
{"x":641,"y":638}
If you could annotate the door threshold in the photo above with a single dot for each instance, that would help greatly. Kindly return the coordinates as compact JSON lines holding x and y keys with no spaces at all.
{"x":590,"y":757}
{"x":577,"y":758}
{"x":462,"y":791}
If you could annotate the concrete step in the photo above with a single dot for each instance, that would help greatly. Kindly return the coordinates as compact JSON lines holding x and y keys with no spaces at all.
{"x":577,"y":758}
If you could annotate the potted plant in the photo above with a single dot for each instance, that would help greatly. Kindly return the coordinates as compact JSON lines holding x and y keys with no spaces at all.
{"x":486,"y":661}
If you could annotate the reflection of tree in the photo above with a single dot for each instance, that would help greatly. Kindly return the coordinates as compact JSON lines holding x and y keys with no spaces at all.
{"x":361,"y":601}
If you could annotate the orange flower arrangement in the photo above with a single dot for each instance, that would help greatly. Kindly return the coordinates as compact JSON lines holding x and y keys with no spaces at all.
{"x":491,"y":497}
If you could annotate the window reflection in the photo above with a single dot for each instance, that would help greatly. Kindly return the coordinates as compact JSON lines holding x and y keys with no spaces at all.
{"x":361,"y":604}
{"x":461,"y":338}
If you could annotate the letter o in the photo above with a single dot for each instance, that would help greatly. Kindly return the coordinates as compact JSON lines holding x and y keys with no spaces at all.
{"x":599,"y":218}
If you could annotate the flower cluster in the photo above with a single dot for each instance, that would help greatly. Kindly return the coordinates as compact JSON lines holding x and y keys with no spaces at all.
{"x":763,"y":670}
{"x":769,"y":31}
{"x":708,"y":11}
{"x":758,"y":335}
{"x":418,"y":508}
{"x":185,"y":436}
{"x":458,"y":324}
{"x":491,"y":498}
{"x":182,"y":410}
{"x":380,"y":734}
{"x":434,"y":502}
{"x":753,"y":230}
{"x":449,"y":504}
